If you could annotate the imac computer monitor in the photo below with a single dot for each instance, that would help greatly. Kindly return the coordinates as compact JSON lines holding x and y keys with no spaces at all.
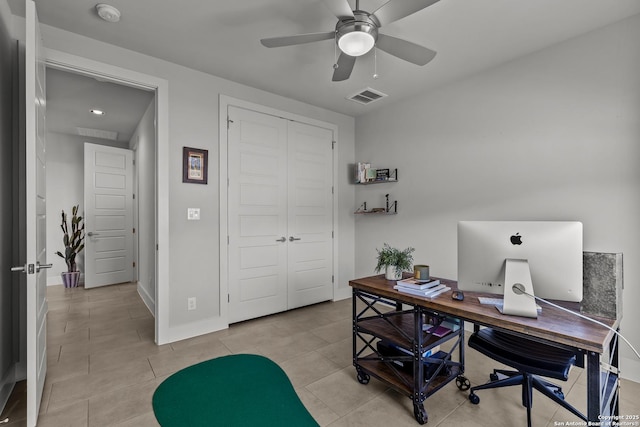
{"x":541,"y":258}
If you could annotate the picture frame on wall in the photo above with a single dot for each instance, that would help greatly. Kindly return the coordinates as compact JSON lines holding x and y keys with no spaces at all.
{"x":194,"y":165}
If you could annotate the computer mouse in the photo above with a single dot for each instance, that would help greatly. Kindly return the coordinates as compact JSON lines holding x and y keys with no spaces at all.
{"x":457,"y":295}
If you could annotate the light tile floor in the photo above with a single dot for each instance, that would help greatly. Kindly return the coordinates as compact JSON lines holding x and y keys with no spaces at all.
{"x":103,"y":368}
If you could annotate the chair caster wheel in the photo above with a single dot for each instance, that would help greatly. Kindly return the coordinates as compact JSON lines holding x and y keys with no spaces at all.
{"x":363,"y":378}
{"x":463,"y":383}
{"x":493,"y":377}
{"x":473,"y":398}
{"x":559,"y":393}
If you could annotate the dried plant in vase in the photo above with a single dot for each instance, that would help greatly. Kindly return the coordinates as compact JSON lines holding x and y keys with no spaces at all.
{"x":73,"y":240}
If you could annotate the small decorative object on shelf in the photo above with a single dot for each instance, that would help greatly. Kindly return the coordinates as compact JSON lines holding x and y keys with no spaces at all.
{"x":365,"y":174}
{"x":394,"y":261}
{"x":389,"y":209}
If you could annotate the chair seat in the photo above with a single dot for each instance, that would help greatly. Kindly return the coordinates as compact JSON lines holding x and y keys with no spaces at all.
{"x":524,"y":354}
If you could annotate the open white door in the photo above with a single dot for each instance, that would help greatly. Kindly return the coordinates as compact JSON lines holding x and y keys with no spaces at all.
{"x":108,"y":212}
{"x":35,"y":218}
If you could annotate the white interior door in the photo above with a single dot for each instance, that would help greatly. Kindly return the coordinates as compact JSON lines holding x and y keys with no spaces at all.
{"x":257,"y":204}
{"x":36,"y":254}
{"x":310,"y":214}
{"x":108,"y":204}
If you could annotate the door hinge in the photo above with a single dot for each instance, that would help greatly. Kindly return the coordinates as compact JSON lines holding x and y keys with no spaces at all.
{"x":332,"y":236}
{"x":332,"y":278}
{"x":228,"y":240}
{"x":134,"y":196}
{"x":134,"y":264}
{"x":134,"y":230}
{"x":228,"y":298}
{"x":333,"y":145}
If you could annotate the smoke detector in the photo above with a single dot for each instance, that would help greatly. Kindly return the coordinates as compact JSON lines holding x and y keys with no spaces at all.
{"x":108,"y":12}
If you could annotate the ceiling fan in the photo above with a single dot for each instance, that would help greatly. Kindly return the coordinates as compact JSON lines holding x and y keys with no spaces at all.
{"x":356,"y":33}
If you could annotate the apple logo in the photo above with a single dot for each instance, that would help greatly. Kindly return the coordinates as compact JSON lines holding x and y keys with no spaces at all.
{"x":516,"y":239}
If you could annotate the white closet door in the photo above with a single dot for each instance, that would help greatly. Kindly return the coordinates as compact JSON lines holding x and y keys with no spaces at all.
{"x":257,"y":219}
{"x":310,"y":214}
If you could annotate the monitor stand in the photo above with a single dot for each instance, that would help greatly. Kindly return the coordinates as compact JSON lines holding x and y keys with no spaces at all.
{"x":516,"y":271}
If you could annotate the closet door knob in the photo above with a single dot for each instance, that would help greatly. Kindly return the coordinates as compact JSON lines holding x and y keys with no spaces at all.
{"x":291,"y":238}
{"x":282,"y":239}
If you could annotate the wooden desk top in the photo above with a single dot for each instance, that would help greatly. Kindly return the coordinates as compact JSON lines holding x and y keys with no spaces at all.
{"x":552,"y":324}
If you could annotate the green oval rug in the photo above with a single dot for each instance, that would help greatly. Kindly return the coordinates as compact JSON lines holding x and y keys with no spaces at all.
{"x":236,"y":390}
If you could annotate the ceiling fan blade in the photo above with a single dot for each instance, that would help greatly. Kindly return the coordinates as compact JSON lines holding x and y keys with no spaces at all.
{"x":406,"y":50}
{"x":398,"y":9}
{"x":340,"y":8}
{"x":345,"y":66}
{"x":299,"y":39}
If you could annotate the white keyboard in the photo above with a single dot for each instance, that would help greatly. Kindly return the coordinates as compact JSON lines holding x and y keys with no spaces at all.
{"x":490,"y":301}
{"x":498,"y":302}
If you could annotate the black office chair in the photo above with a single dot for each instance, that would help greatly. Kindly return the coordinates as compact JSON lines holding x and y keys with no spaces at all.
{"x":531,"y":359}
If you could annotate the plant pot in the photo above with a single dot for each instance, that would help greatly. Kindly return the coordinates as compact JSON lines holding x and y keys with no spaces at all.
{"x":70,"y":279}
{"x":392,"y":273}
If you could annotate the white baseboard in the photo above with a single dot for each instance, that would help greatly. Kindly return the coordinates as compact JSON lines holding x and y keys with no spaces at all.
{"x":630,"y":369}
{"x":147,"y":299}
{"x":195,"y":329}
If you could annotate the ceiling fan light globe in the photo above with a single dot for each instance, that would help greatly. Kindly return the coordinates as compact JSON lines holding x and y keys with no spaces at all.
{"x":356,"y":43}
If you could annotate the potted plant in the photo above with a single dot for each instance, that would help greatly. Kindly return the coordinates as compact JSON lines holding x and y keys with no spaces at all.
{"x":394,"y":261}
{"x":73,"y":244}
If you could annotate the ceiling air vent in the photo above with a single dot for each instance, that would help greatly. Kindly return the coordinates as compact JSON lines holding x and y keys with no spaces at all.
{"x":96,"y":133}
{"x":367,"y":96}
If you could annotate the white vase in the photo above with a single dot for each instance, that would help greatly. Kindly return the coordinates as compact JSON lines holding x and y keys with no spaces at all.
{"x":393,"y":273}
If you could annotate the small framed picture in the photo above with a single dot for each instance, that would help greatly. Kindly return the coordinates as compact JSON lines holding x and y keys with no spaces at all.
{"x":194,"y":165}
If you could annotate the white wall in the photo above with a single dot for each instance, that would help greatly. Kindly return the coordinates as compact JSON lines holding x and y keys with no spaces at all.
{"x":143,"y":142}
{"x":553,"y":135}
{"x":193,"y":112}
{"x":65,"y":188}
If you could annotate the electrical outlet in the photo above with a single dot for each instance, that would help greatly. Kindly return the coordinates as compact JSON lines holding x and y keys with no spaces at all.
{"x":191,"y":303}
{"x":193,"y":214}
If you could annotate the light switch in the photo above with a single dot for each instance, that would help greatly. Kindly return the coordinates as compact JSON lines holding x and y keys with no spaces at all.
{"x":193,"y":214}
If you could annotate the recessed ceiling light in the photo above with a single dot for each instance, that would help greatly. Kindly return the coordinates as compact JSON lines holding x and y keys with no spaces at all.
{"x":108,"y":12}
{"x":97,"y":112}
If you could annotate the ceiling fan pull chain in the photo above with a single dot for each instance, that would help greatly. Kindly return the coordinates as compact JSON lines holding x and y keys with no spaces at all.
{"x":375,"y":62}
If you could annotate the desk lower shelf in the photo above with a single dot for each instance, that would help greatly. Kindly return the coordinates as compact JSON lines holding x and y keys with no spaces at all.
{"x":402,"y":381}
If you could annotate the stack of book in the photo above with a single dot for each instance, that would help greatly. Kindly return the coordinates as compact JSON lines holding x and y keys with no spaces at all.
{"x":431,"y":288}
